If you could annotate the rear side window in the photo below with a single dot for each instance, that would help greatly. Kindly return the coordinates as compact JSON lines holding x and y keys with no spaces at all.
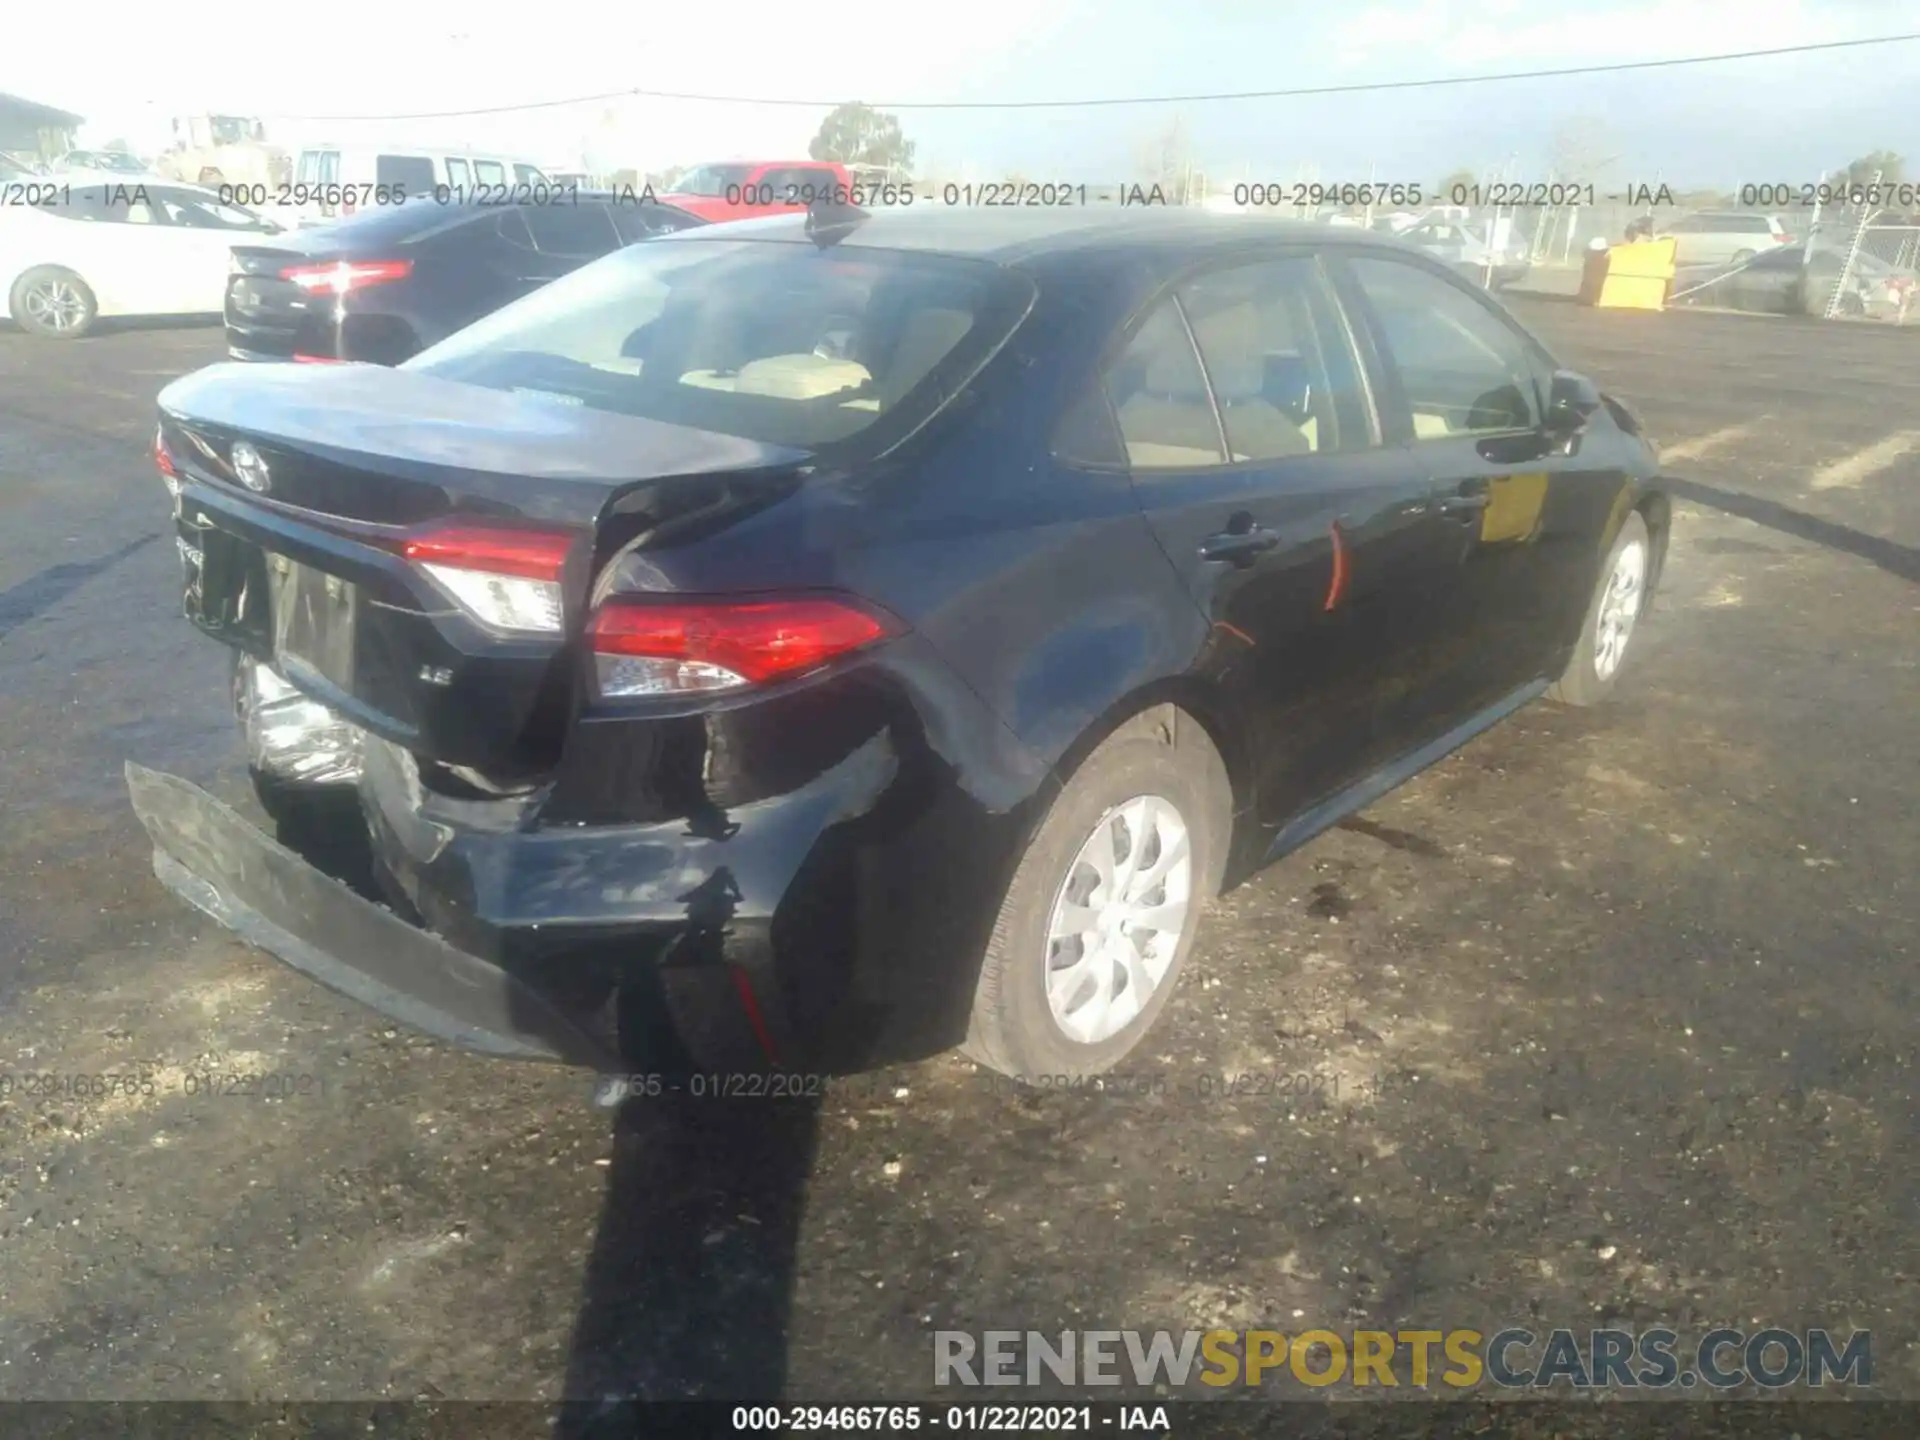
{"x":527,"y":175}
{"x":582,"y":230}
{"x":89,"y":204}
{"x":459,"y":175}
{"x":642,"y":222}
{"x":1159,"y":397}
{"x":489,"y":172}
{"x":784,"y":344}
{"x":1462,"y":370}
{"x":410,"y":173}
{"x":1278,"y":360}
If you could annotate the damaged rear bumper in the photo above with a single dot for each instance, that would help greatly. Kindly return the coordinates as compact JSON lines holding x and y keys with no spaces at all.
{"x":217,"y":862}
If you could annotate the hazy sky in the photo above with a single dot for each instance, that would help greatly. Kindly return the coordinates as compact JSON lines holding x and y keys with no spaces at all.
{"x":1784,"y":118}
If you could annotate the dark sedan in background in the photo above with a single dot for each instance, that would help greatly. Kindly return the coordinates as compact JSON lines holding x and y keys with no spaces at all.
{"x":809,"y":641}
{"x":386,"y":283}
{"x":1786,"y":281}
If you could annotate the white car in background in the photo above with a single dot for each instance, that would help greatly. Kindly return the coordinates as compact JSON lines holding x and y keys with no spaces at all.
{"x":107,"y":248}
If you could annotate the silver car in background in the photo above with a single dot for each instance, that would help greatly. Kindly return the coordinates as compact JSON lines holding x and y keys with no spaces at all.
{"x":1722,"y":237}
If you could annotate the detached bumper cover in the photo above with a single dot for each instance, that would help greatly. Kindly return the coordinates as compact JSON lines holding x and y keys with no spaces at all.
{"x":271,"y":897}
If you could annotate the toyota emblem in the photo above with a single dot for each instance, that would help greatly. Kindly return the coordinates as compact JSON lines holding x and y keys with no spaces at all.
{"x":251,"y":469}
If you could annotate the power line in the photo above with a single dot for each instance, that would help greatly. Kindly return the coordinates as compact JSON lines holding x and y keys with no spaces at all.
{"x":1112,"y":101}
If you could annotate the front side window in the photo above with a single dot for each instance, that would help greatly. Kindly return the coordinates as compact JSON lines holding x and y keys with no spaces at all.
{"x":785,"y":344}
{"x":489,"y":172}
{"x":575,"y":230}
{"x":1462,"y":370}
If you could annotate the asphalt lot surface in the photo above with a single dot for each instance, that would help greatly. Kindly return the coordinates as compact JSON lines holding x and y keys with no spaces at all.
{"x":1609,"y":1019}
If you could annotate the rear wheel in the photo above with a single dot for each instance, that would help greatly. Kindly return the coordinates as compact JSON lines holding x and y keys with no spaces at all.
{"x":1619,"y":599}
{"x":1105,"y":903}
{"x":53,"y":302}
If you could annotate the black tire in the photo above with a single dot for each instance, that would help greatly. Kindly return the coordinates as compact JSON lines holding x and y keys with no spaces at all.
{"x":1582,"y":683}
{"x":31,"y":317}
{"x":1163,"y":752}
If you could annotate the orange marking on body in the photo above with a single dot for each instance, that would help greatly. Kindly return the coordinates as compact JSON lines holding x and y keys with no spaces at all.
{"x":1337,"y":586}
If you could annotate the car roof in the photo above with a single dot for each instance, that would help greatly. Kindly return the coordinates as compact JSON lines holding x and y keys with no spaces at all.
{"x":1012,"y":235}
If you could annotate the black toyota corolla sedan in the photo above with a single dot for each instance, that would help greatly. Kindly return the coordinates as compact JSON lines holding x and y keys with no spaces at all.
{"x":807,"y":642}
{"x":384,"y":284}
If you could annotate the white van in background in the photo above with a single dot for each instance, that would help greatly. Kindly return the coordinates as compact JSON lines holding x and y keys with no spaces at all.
{"x":330,"y":181}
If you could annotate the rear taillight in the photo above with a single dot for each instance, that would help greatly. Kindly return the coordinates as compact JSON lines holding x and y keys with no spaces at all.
{"x":163,"y":457}
{"x":677,"y":647}
{"x":339,"y":277}
{"x":509,"y":579}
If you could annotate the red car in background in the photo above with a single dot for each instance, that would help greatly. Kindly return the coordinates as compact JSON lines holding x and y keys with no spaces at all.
{"x":742,"y":189}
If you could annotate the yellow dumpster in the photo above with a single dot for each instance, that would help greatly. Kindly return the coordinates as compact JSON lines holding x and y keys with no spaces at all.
{"x":1638,"y":275}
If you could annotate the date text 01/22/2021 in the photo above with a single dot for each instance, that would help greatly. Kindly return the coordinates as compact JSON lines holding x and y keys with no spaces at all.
{"x":905,"y":1419}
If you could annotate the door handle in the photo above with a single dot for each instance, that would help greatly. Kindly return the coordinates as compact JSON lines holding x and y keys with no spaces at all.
{"x":1462,"y":507}
{"x":1238,"y":545}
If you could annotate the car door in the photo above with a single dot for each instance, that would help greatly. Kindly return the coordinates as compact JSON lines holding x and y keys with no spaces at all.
{"x":205,"y":232}
{"x":1250,"y":438}
{"x":1776,"y":282}
{"x":1464,"y":390}
{"x":165,"y":262}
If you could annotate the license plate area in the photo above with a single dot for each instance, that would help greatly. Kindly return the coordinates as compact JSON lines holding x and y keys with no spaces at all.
{"x":315,"y":620}
{"x":223,"y":582}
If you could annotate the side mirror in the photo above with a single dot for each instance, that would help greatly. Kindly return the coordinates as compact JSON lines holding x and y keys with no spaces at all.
{"x":1572,"y":401}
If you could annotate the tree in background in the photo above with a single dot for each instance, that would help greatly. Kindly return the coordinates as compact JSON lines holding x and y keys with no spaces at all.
{"x":1166,"y":160}
{"x":1882,"y":163}
{"x":1463,"y":177}
{"x":856,"y":134}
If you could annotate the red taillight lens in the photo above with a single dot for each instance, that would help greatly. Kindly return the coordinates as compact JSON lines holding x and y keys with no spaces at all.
{"x":509,"y":579}
{"x":163,"y":457}
{"x":339,"y":277}
{"x":671,"y":647}
{"x":317,"y":360}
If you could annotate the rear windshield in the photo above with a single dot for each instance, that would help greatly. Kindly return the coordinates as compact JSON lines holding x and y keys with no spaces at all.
{"x":782,"y":343}
{"x":383,"y":225}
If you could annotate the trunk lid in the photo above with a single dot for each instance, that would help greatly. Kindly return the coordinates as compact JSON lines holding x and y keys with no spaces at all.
{"x":323,"y":514}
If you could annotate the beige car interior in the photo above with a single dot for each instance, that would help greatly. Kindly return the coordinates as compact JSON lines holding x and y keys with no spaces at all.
{"x":1169,"y":421}
{"x":926,"y":338}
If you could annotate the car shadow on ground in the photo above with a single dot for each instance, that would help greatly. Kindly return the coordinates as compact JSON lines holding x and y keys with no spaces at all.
{"x":689,"y":1283}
